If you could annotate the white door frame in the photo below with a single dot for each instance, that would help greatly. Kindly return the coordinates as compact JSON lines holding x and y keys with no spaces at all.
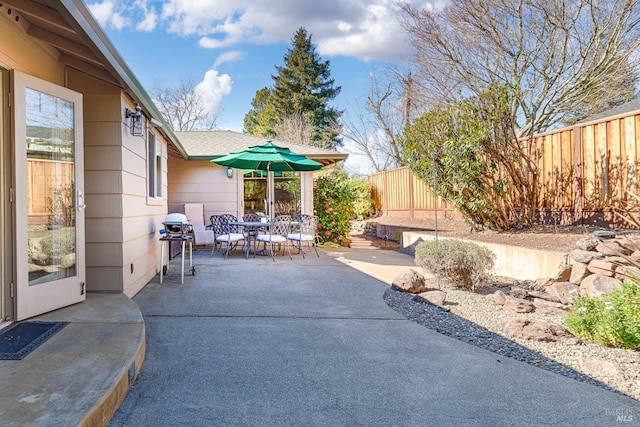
{"x":36,"y":299}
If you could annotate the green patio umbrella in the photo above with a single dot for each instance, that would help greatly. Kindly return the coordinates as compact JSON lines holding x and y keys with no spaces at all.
{"x":262,"y":174}
{"x":268,"y":157}
{"x":271,"y":158}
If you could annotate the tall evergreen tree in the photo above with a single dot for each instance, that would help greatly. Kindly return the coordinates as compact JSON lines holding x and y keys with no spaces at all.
{"x":303,"y":87}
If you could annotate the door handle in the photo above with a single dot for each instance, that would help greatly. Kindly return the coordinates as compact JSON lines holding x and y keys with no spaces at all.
{"x":80,"y":206}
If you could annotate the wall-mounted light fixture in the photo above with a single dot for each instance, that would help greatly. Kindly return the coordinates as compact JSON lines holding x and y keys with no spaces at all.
{"x":135,"y":120}
{"x":229,"y":173}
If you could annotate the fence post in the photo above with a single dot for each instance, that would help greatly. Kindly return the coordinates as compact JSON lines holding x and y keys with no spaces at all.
{"x":411,"y":199}
{"x":386,"y":191}
{"x":577,"y":175}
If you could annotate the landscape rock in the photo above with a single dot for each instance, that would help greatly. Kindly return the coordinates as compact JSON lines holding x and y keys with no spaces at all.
{"x":593,"y":365}
{"x":578,"y":273}
{"x":604,"y":268}
{"x":565,"y":292}
{"x":518,"y":305}
{"x":584,"y":257}
{"x":518,"y":292}
{"x":435,"y":297}
{"x":69,"y":260}
{"x":612,"y":248}
{"x":497,"y":298}
{"x":628,"y":271}
{"x":410,"y":281}
{"x":598,"y":285}
{"x":536,"y":330}
{"x":564,"y":274}
{"x":40,"y":258}
{"x":635,"y":256}
{"x":587,"y":243}
{"x":543,"y":282}
{"x":553,"y":311}
{"x":543,"y":295}
{"x":539,"y":302}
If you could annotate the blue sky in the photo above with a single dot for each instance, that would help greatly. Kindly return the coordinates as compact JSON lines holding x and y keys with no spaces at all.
{"x":231,"y":48}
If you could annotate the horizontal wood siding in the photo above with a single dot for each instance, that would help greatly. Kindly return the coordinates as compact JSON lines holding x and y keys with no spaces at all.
{"x":200,"y":181}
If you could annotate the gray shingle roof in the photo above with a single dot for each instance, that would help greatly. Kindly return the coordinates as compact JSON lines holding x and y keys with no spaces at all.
{"x":214,"y":143}
{"x":619,"y":110}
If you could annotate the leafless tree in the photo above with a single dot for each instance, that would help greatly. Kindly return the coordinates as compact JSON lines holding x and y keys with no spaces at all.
{"x":183,"y":107}
{"x":562,"y":60}
{"x":299,"y":128}
{"x":375,"y":125}
{"x":295,"y":128}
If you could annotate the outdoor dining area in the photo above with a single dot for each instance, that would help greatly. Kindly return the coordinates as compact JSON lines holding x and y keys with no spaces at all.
{"x":258,"y":236}
{"x":270,"y":231}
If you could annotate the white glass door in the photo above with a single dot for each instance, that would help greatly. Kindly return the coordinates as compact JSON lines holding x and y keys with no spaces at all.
{"x":49,"y":196}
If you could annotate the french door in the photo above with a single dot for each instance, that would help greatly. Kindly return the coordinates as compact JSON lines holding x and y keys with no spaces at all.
{"x":49,"y":202}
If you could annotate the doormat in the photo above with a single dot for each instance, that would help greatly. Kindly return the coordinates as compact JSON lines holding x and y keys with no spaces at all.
{"x":18,"y":340}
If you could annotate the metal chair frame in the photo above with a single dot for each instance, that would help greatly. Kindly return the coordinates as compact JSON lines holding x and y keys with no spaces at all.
{"x":306,"y":232}
{"x":277,"y":234}
{"x":224,"y":233}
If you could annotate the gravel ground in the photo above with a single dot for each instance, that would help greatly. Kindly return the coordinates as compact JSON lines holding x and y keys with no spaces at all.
{"x":475,"y":320}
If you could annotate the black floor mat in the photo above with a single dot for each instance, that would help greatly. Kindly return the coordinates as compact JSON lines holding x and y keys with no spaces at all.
{"x":18,"y":340}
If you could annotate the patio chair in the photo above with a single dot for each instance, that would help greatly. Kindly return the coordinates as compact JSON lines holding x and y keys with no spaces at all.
{"x":223,"y":233}
{"x":277,"y":234}
{"x":252,"y":217}
{"x":306,"y":232}
{"x":201,"y":234}
{"x":252,"y":232}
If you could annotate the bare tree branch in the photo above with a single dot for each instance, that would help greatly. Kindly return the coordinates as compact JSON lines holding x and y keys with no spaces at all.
{"x":183,"y":107}
{"x":562,"y":60}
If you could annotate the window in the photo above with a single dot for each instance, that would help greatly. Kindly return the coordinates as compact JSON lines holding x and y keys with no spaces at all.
{"x":154,"y":159}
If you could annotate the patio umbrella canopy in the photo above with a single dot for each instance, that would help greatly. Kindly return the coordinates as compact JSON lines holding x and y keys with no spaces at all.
{"x":271,"y":158}
{"x":268,"y":157}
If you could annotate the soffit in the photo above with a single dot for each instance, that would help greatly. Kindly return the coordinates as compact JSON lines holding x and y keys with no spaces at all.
{"x":67,"y":30}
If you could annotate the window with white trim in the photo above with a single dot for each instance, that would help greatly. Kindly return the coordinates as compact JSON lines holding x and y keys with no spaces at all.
{"x":154,"y":160}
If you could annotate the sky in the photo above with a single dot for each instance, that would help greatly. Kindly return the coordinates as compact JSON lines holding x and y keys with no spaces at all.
{"x":230,"y":48}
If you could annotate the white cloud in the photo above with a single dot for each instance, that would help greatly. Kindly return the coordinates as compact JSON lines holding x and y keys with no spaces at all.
{"x":149,"y":22}
{"x":106,"y":14}
{"x":213,"y":88}
{"x":355,"y":28}
{"x":230,"y":56}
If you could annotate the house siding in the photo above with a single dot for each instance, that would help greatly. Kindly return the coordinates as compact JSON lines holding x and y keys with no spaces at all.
{"x":200,"y":181}
{"x":123,"y":251}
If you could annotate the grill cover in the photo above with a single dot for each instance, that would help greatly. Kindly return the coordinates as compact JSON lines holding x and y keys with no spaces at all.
{"x":176,"y":225}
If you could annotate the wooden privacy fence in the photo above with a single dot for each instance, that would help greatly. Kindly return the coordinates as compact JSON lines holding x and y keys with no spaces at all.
{"x":48,"y":197}
{"x":400,"y":193}
{"x":586,"y":172}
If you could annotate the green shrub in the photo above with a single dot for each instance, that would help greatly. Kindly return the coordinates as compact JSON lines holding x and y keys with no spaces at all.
{"x":361,"y":200}
{"x":613,"y":321}
{"x":464,"y":264}
{"x":337,"y":200}
{"x":58,"y":243}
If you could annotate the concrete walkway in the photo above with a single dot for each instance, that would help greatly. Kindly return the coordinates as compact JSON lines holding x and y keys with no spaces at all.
{"x":311,"y":342}
{"x":78,"y":376}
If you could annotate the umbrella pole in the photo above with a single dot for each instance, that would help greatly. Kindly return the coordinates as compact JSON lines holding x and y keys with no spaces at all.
{"x":270,"y":192}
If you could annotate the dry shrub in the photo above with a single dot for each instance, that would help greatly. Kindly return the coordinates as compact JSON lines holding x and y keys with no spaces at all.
{"x":464,"y":264}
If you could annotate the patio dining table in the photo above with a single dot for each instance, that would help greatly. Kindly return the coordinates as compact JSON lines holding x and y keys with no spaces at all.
{"x":248,"y":227}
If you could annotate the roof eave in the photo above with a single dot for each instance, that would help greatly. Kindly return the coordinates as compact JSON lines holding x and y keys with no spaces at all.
{"x":79,"y":16}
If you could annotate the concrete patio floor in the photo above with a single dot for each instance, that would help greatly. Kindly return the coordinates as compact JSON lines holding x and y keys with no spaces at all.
{"x":302,"y":342}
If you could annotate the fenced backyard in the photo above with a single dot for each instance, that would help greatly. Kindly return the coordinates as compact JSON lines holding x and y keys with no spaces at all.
{"x":586,"y":173}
